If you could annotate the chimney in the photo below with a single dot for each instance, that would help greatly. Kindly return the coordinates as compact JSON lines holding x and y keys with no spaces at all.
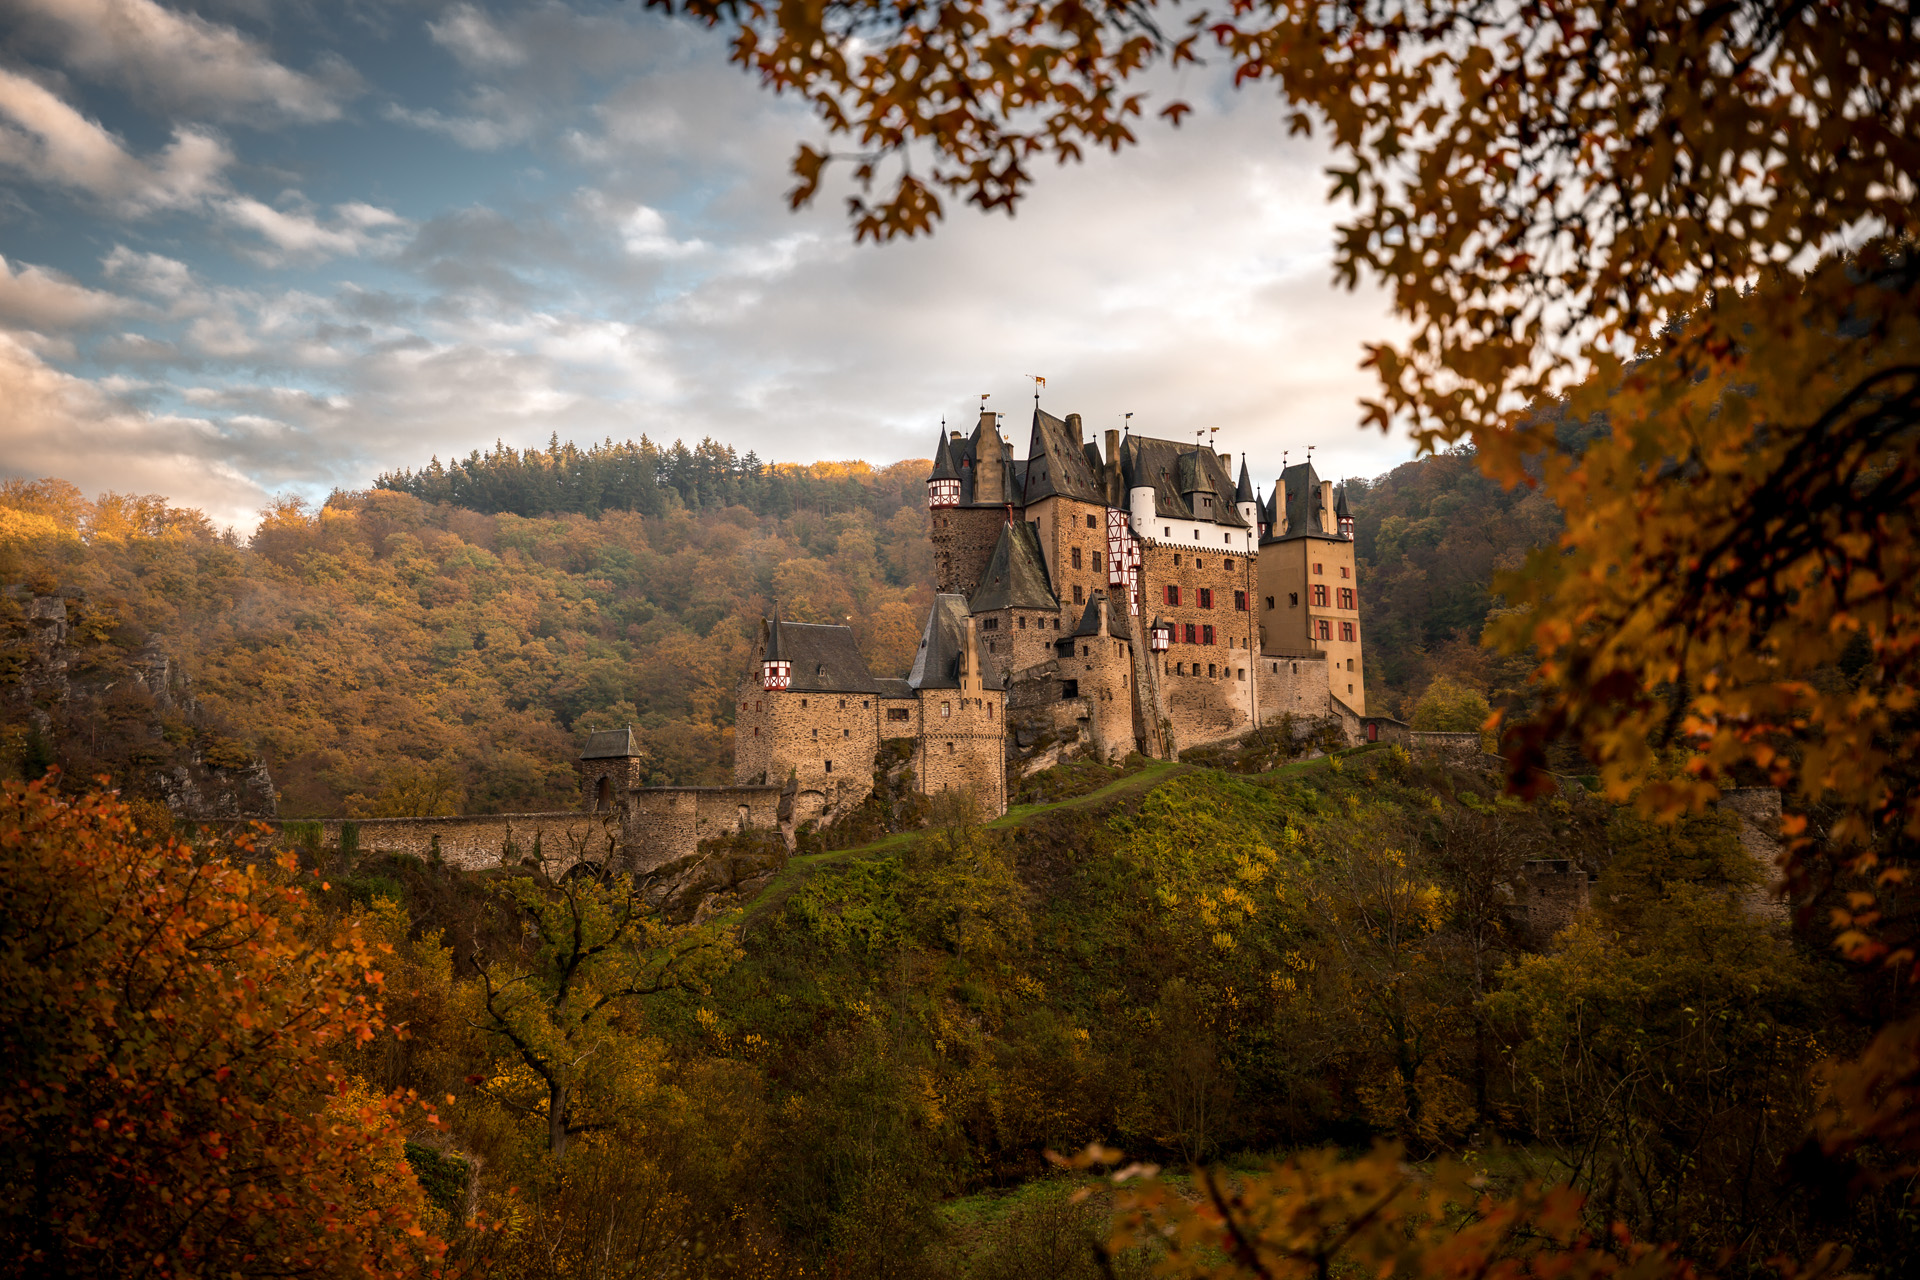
{"x":1073,"y":424}
{"x":1327,"y":523}
{"x":1226,"y":460}
{"x":954,"y":434}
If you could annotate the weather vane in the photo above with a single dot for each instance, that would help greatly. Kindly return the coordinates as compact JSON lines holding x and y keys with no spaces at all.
{"x":1038,"y":382}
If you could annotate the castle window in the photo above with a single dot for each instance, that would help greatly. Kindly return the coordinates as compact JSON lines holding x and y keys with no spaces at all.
{"x":990,"y":624}
{"x":1076,"y":557}
{"x":1206,"y":635}
{"x":1069,"y":688}
{"x":1078,"y":594}
{"x":946,"y":710}
{"x":1096,"y":562}
{"x":1192,"y":634}
{"x":1346,"y":598}
{"x":1206,"y":596}
{"x":949,"y":748}
{"x":1180,"y":668}
{"x":1240,"y":601}
{"x":756,"y":731}
{"x":829,"y":766}
{"x":1293,"y":599}
{"x":1090,"y":522}
{"x":1176,"y":559}
{"x":893,"y":713}
{"x":1296,"y":668}
{"x":1320,"y":595}
{"x":1198,"y":563}
{"x":1269,"y":602}
{"x":803,"y":703}
{"x":816,"y":731}
{"x":989,"y":711}
{"x":846,"y":733}
{"x":843,"y":704}
{"x":1173,"y":593}
{"x":602,"y":794}
{"x":1349,"y":664}
{"x":1166,"y":533}
{"x":1196,"y":535}
{"x":1325,"y":629}
{"x":1243,"y":673}
{"x":1346,"y":631}
{"x":863,"y":704}
{"x":1056,"y":624}
{"x":1210,"y":671}
{"x":1023,"y":624}
{"x":1349,"y":688}
{"x":1317,"y":568}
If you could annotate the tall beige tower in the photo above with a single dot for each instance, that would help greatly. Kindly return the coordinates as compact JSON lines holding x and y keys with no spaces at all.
{"x":1309,"y":593}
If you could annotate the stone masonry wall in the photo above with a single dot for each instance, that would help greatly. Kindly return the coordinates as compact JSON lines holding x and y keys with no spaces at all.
{"x":824,"y":740}
{"x":1293,"y":685}
{"x":1758,"y":809}
{"x":665,"y":824}
{"x":963,"y":539}
{"x":484,"y":842}
{"x":963,"y":746}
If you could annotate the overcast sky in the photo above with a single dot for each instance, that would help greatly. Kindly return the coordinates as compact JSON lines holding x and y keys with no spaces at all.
{"x":252,"y":248}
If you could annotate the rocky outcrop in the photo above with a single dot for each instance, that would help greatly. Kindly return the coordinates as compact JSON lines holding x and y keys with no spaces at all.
{"x":91,"y":692}
{"x":727,"y":870}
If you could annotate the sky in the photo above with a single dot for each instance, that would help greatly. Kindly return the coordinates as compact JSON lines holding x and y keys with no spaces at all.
{"x":251,"y":248}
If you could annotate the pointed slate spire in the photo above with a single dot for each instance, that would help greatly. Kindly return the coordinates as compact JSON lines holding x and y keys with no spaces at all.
{"x":943,"y":468}
{"x":1340,"y":506}
{"x":1244,"y":493}
{"x":773,"y":637}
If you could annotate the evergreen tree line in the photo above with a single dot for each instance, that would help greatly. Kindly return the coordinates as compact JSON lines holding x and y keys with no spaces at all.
{"x":650,"y":479}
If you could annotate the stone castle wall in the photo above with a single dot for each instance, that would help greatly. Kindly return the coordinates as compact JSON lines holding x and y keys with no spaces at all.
{"x":962,"y":746}
{"x":963,"y":539}
{"x":485,"y":842}
{"x":664,"y":824}
{"x":1291,"y":685}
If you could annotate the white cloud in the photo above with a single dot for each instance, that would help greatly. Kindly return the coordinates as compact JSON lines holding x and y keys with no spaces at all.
{"x":180,"y":59}
{"x":43,"y":299}
{"x":60,"y":425}
{"x":300,"y":237}
{"x":471,"y":36}
{"x":644,"y":233}
{"x":51,"y":142}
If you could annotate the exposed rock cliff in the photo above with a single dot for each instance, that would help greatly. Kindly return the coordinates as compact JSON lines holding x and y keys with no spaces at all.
{"x":91,"y":692}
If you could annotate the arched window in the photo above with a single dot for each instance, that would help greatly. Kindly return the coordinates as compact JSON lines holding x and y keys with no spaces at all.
{"x":603,"y":794}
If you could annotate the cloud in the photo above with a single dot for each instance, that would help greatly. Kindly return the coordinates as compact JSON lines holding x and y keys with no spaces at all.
{"x":181,"y":60}
{"x":51,"y":142}
{"x":300,"y":237}
{"x":43,"y":299}
{"x":471,"y":36}
{"x":644,"y":233}
{"x":60,"y":425}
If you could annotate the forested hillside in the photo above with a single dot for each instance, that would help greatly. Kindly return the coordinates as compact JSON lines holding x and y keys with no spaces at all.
{"x":389,"y":655}
{"x":1429,"y":536}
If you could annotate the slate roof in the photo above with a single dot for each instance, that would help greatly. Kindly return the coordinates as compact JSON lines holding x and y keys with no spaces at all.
{"x":1340,"y":505}
{"x":962,"y":459}
{"x":825,"y":659}
{"x":1175,"y":472}
{"x":611,"y":744}
{"x":1243,"y":492}
{"x":1090,"y":620}
{"x":943,"y":645}
{"x":1057,"y":464}
{"x":1299,"y":491}
{"x":943,"y":468}
{"x":773,"y":638}
{"x":1016,"y":576}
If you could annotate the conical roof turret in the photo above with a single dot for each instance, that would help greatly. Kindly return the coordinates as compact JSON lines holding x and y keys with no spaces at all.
{"x":773,"y":637}
{"x":1340,"y":506}
{"x":943,"y":468}
{"x":1243,"y":493}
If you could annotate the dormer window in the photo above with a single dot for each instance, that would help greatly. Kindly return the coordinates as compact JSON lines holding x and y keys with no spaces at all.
{"x":943,"y":493}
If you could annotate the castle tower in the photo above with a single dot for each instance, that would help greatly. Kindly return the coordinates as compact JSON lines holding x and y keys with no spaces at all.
{"x":1309,"y":601}
{"x":972,"y":482}
{"x":611,"y":764}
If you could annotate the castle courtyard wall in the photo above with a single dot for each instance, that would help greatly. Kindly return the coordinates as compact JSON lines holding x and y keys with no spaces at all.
{"x":963,"y":746}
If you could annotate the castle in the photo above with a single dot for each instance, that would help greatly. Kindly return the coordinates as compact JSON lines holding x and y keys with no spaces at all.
{"x":1145,"y":600}
{"x":1141,"y":600}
